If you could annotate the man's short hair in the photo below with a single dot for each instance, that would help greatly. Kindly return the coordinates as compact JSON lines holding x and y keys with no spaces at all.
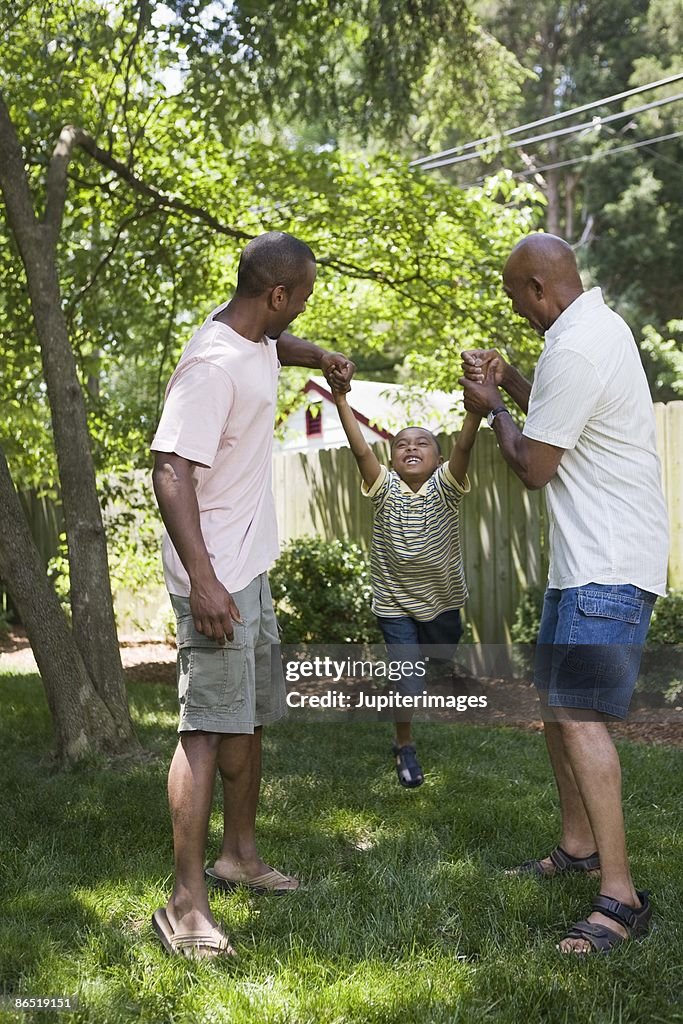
{"x":272,"y":259}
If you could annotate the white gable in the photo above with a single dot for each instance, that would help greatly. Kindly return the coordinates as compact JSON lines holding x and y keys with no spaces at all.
{"x":385,"y":407}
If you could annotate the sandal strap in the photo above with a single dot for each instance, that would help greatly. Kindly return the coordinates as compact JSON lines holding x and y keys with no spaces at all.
{"x":531,"y":867}
{"x":600,"y":936}
{"x":630,"y":917}
{"x":564,"y":861}
{"x":209,"y":940}
{"x":408,"y":767}
{"x":271,"y":879}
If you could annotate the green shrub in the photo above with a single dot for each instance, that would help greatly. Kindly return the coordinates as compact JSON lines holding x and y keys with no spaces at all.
{"x":667,"y":619}
{"x":527,"y":622}
{"x":322,"y":593}
{"x":661,"y":671}
{"x":524,"y":630}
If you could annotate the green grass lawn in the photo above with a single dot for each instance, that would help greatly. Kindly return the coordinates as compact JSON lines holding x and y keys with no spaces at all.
{"x":405,"y":916}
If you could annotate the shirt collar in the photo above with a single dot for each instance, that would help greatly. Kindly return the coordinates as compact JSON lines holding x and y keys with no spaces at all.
{"x":405,"y":489}
{"x":579,"y":308}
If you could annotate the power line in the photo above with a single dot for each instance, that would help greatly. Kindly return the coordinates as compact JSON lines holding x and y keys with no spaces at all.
{"x":588,"y":156}
{"x":596,"y":122}
{"x":547,"y":120}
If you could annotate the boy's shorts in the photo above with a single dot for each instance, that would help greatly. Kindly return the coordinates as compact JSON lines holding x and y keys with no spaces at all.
{"x":589,"y":646}
{"x":411,"y":641}
{"x":235,"y":686}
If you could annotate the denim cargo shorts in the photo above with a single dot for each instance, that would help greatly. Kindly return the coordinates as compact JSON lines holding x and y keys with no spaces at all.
{"x":235,"y":686}
{"x":589,"y":647}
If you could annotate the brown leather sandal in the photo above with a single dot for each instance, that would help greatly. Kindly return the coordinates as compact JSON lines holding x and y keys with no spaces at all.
{"x":273,"y":882}
{"x":195,"y":945}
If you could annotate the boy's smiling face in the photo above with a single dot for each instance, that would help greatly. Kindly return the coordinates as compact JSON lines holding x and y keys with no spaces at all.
{"x":415,"y":455}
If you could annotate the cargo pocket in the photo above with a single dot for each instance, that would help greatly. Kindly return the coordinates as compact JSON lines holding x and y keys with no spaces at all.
{"x":602,"y":633}
{"x":211,"y":675}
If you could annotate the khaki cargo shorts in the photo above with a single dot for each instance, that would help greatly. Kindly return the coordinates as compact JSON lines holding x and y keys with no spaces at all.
{"x":238,"y":685}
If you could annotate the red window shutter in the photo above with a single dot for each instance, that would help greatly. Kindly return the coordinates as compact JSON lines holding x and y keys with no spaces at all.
{"x":314,"y":422}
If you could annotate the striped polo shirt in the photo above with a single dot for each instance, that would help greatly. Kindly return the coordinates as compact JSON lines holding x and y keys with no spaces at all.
{"x":416,"y":562}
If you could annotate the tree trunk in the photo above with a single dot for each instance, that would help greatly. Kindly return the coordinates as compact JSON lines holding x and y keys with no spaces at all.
{"x":82,"y":722}
{"x":94,"y":628}
{"x":92,"y":609}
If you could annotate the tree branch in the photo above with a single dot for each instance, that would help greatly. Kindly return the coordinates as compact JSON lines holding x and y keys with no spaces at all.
{"x":166,"y":202}
{"x":72,"y":136}
{"x":106,"y":258}
{"x":57,"y":179}
{"x":162,"y":200}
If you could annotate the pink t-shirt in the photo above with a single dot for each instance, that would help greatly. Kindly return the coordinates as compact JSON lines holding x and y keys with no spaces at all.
{"x":219,"y":411}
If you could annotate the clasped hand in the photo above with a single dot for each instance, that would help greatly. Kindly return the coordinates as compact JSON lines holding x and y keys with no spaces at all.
{"x":338,"y":371}
{"x":483,"y":371}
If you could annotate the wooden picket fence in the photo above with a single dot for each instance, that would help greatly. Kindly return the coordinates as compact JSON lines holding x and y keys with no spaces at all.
{"x":669,"y":420}
{"x":503,"y":525}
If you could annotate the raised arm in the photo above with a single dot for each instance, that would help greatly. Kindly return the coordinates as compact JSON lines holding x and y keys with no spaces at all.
{"x":482,"y":364}
{"x":337,"y":369}
{"x":213,"y":609}
{"x":460,"y":455}
{"x":534,"y":462}
{"x":368,"y":463}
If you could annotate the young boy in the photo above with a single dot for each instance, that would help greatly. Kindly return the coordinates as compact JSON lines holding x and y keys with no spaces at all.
{"x":416,"y":566}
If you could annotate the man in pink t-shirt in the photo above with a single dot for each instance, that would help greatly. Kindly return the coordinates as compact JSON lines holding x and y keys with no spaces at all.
{"x":212,"y":479}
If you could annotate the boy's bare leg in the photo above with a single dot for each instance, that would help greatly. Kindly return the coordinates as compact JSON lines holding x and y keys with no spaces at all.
{"x":404,"y":733}
{"x":190,"y":792}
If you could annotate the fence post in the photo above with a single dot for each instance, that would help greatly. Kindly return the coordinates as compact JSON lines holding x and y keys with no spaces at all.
{"x":669,"y":420}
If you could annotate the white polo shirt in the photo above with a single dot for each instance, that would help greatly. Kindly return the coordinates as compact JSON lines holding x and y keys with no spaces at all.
{"x":219,"y":411}
{"x":608,"y":520}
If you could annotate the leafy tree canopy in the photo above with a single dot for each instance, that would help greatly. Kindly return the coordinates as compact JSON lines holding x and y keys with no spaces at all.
{"x":621,"y":209}
{"x":155,"y":218}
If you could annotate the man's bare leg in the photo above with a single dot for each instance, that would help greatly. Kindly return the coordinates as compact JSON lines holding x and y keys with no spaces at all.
{"x":190,"y":792}
{"x":594,"y":761}
{"x":577,"y":836}
{"x":239,"y":762}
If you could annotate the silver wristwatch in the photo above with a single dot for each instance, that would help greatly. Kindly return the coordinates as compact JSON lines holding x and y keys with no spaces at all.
{"x":495,"y":412}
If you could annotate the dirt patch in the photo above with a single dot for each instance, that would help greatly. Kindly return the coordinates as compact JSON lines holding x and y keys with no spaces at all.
{"x":144,"y":660}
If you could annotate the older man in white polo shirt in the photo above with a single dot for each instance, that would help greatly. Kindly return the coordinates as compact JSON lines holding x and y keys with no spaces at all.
{"x":589,"y":439}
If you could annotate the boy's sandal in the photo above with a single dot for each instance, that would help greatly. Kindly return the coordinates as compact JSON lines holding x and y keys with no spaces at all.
{"x":563,"y":861}
{"x":602,"y":939}
{"x":408,"y":767}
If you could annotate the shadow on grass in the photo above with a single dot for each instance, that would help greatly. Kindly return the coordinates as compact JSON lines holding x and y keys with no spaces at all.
{"x":404,"y":914}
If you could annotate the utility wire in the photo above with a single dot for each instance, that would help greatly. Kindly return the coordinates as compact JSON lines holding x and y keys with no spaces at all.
{"x":547,"y":120}
{"x":581,"y":159}
{"x":596,"y":122}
